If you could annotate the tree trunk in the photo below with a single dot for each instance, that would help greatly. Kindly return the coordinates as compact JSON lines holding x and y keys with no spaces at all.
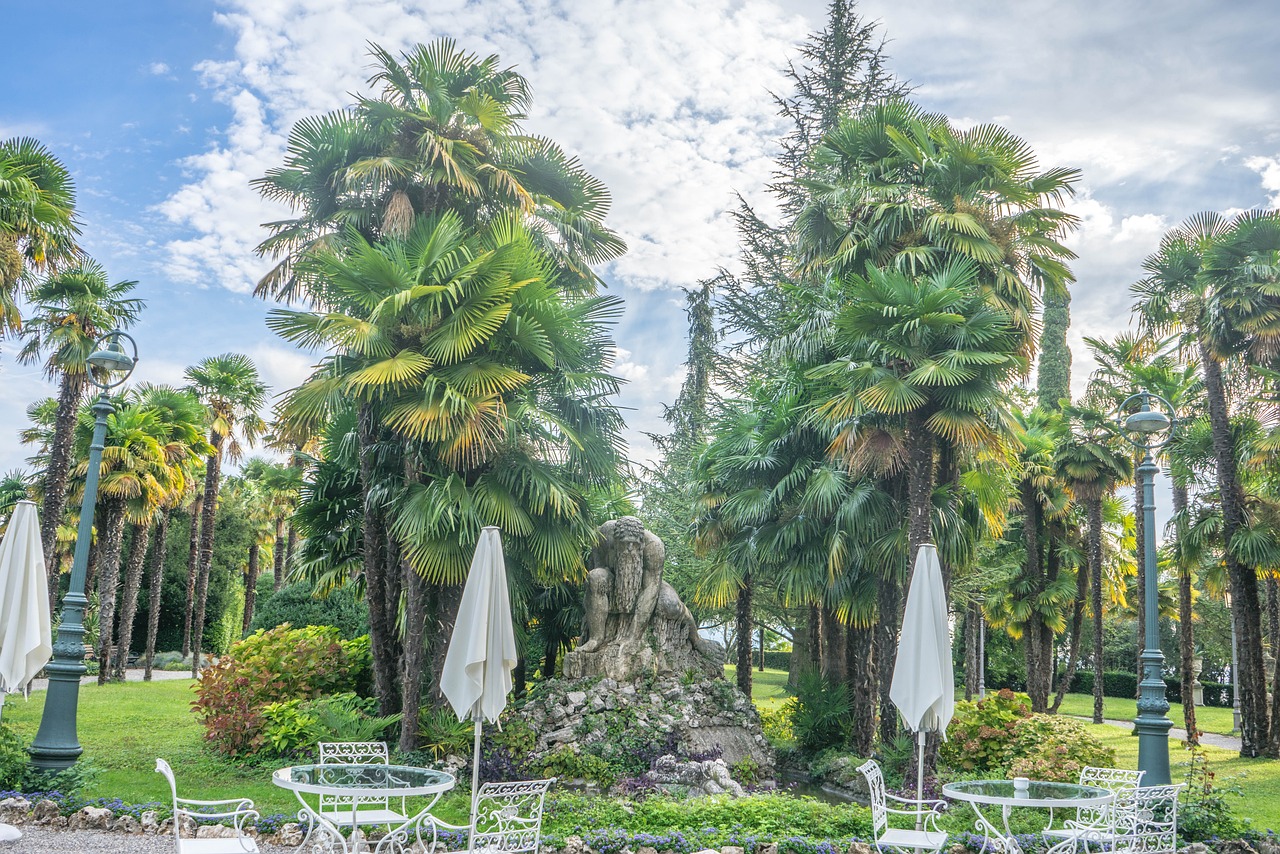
{"x":108,"y":582}
{"x":860,"y":643}
{"x":762,"y":649}
{"x":1095,"y":573}
{"x":209,"y":514}
{"x":447,"y":599}
{"x":1037,"y":679}
{"x":373,"y":540}
{"x":1273,"y":619}
{"x":129,"y":604}
{"x":251,"y":587}
{"x":742,"y":625}
{"x":919,"y":486}
{"x":889,"y":606}
{"x":833,"y":646}
{"x":1186,"y":630}
{"x":551,"y":655}
{"x":972,"y":665}
{"x":801,"y":661}
{"x":1077,"y":631}
{"x":415,"y":624}
{"x":158,"y":545}
{"x":193,"y":569}
{"x":70,"y":392}
{"x":290,"y":544}
{"x":1246,"y":610}
{"x":277,"y":556}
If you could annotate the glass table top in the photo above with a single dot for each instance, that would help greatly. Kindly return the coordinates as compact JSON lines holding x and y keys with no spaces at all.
{"x":999,"y":791}
{"x":379,"y":777}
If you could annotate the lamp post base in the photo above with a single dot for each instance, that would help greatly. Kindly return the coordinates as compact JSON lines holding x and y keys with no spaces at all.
{"x":1152,"y":723}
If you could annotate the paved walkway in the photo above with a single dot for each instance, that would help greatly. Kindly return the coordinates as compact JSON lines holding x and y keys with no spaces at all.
{"x":42,"y":840}
{"x":1212,"y":739}
{"x":131,"y":674}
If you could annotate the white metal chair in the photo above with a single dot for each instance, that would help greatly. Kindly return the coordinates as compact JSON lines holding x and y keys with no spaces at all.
{"x":240,"y":811}
{"x":356,"y":810}
{"x":1147,"y":821}
{"x":925,"y":812}
{"x":508,"y":819}
{"x":1096,"y":825}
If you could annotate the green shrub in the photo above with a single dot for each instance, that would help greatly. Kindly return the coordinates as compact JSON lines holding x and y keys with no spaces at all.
{"x":999,"y":736}
{"x":440,"y":732}
{"x":564,"y":764}
{"x":271,"y":667}
{"x":226,"y":631}
{"x":294,"y":726}
{"x":981,"y":732}
{"x":776,"y":723}
{"x":13,"y":757}
{"x":1049,"y":747}
{"x":1205,"y":812}
{"x":820,"y":714}
{"x":295,"y":604}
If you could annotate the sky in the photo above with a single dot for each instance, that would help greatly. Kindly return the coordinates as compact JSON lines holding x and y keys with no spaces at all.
{"x":165,"y":111}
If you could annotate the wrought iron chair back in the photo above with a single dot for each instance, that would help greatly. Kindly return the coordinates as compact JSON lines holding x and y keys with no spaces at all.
{"x":1121,"y":782}
{"x":875,"y":792}
{"x":354,"y":753}
{"x":509,"y":816}
{"x":925,"y":837}
{"x":239,"y":810}
{"x":1147,"y":820}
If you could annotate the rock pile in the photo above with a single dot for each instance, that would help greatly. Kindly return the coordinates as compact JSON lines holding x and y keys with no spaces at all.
{"x":697,"y":719}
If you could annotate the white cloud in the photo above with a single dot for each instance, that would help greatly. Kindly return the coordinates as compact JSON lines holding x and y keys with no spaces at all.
{"x":159,"y":69}
{"x":1268,"y":168}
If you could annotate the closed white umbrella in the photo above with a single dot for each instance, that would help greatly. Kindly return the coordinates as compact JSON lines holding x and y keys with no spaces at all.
{"x":923,"y":686}
{"x":482,"y":651}
{"x":25,"y":634}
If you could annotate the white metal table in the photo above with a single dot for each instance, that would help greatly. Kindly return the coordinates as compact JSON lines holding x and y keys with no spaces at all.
{"x":368,"y":781}
{"x":1005,"y":794}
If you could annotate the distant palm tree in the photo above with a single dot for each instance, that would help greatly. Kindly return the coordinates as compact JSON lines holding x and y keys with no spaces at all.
{"x":38,"y":225}
{"x":232,"y":392}
{"x":70,"y":310}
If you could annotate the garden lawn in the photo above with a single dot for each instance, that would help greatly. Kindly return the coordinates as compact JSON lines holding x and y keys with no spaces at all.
{"x":768,"y":687}
{"x":1208,"y":718}
{"x":124,"y":727}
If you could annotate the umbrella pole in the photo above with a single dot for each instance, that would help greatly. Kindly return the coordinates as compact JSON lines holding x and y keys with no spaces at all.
{"x":475,"y":786}
{"x":920,"y":737}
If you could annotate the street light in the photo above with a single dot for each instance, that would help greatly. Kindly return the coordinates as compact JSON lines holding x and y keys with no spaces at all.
{"x":1143,"y":429}
{"x":56,"y":745}
{"x":1235,"y":671}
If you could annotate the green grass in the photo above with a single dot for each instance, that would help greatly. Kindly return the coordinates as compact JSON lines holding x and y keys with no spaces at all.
{"x":768,"y":687}
{"x":124,"y":727}
{"x":1208,"y":719}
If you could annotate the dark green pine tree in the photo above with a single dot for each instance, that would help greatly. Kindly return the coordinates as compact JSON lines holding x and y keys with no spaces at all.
{"x":1053,"y":380}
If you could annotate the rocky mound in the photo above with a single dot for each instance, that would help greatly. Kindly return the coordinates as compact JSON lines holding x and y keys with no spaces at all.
{"x":651,"y":717}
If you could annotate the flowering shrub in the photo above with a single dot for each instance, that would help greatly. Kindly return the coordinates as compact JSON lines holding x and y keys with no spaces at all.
{"x":776,"y":723}
{"x":271,"y":667}
{"x":1049,"y":747}
{"x":981,"y":731}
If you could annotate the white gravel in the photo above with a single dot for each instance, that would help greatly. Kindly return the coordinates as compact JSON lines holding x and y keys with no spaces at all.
{"x":41,"y":840}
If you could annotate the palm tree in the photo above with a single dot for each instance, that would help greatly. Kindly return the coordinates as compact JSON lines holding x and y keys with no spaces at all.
{"x":71,"y":310}
{"x":270,"y":494}
{"x":443,"y":133}
{"x":229,"y":387}
{"x":1214,"y":281}
{"x":930,"y":350}
{"x":38,"y":226}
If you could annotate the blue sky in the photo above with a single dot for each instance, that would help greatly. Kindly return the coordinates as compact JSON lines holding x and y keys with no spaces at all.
{"x":165,"y":110}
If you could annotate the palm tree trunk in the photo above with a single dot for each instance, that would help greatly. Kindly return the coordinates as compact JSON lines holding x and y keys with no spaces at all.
{"x":250,"y":587}
{"x":801,"y":651}
{"x":158,"y":546}
{"x":1095,"y":573}
{"x":1077,"y":631}
{"x":446,"y":598}
{"x":108,"y":583}
{"x":290,"y":546}
{"x":1034,"y":572}
{"x":551,"y":654}
{"x":889,"y":606}
{"x":277,"y":556}
{"x":862,"y":688}
{"x":1186,"y":629}
{"x":742,"y":625}
{"x":70,"y":392}
{"x":414,"y":656}
{"x":193,"y":569}
{"x":212,"y":475}
{"x":1246,"y":610}
{"x":833,"y":646}
{"x":972,"y":666}
{"x":373,"y":538}
{"x":129,"y":604}
{"x":1273,"y":615}
{"x":920,"y":476}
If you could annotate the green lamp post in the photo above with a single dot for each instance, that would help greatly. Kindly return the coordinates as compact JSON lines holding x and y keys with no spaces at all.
{"x":1149,"y":430}
{"x":56,"y":745}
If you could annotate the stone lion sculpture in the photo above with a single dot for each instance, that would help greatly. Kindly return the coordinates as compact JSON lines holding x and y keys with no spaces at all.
{"x":634,"y":621}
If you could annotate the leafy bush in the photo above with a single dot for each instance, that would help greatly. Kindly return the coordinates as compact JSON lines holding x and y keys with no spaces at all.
{"x":820,"y":714}
{"x":271,"y":667}
{"x":981,"y":731}
{"x":295,"y":604}
{"x":1049,"y":747}
{"x":776,"y":723}
{"x":294,"y":726}
{"x":441,"y":733}
{"x":1205,"y":812}
{"x":999,"y":736}
{"x":13,"y":756}
{"x":567,"y":765}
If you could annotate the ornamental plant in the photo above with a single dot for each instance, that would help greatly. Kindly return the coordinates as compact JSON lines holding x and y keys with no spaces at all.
{"x":981,"y":732}
{"x":273,"y":666}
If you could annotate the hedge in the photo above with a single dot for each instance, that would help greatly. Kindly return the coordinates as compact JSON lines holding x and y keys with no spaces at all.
{"x":1122,"y":684}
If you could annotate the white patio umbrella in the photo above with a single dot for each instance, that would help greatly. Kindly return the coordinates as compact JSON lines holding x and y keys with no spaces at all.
{"x":25,"y":635}
{"x":482,"y":651}
{"x":923,"y":686}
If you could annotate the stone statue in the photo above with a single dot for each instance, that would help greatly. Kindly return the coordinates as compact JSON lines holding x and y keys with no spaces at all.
{"x":634,"y":621}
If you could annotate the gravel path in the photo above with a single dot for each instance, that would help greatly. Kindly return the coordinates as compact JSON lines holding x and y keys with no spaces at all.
{"x":1212,"y":739}
{"x":132,"y":674}
{"x":41,"y":840}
